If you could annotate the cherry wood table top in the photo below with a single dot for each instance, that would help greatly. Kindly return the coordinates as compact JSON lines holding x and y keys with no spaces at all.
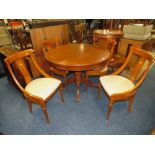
{"x":108,"y":32}
{"x":77,"y":57}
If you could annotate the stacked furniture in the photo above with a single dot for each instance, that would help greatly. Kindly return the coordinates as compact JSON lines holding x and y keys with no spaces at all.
{"x":5,"y":39}
{"x":137,"y":31}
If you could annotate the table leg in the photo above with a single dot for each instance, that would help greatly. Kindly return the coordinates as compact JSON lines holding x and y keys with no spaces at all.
{"x":77,"y":77}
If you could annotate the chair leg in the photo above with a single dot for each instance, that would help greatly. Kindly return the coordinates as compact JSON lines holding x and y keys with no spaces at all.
{"x":29,"y":104}
{"x":131,"y":99}
{"x":61,"y":94}
{"x":109,"y":110}
{"x":66,"y":83}
{"x":45,"y":113}
{"x":86,"y":82}
{"x":51,"y":73}
{"x":99,"y":89}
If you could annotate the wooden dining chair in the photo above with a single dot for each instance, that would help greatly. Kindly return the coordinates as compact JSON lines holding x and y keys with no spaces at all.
{"x":119,"y":88}
{"x":117,"y":59}
{"x":103,"y":43}
{"x":79,"y":32}
{"x":38,"y":90}
{"x":49,"y":45}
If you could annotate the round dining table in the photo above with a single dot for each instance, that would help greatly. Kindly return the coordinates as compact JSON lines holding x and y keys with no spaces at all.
{"x":77,"y":58}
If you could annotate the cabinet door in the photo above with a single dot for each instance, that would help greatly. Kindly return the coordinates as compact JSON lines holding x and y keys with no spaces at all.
{"x":37,"y":38}
{"x":123,"y":49}
{"x":60,"y":31}
{"x":123,"y":45}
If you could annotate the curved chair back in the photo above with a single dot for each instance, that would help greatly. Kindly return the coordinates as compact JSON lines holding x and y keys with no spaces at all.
{"x":51,"y":44}
{"x":100,"y":40}
{"x":111,"y":45}
{"x":79,"y":30}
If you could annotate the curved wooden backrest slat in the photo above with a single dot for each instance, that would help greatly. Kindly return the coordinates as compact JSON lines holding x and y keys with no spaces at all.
{"x":23,"y":70}
{"x":143,"y":57}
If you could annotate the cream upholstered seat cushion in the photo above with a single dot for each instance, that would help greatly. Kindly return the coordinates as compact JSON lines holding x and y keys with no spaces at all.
{"x":114,"y":84}
{"x":42,"y":87}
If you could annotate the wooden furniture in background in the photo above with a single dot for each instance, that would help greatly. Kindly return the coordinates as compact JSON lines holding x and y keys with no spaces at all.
{"x":79,"y":31}
{"x":38,"y":35}
{"x":4,"y":53}
{"x":119,"y":88}
{"x":114,"y":34}
{"x":117,"y":24}
{"x":125,"y":43}
{"x":124,"y":48}
{"x":77,"y":58}
{"x":39,"y":90}
{"x":50,"y":45}
{"x":149,"y":45}
{"x":21,"y":39}
{"x":117,"y":59}
{"x":41,"y":32}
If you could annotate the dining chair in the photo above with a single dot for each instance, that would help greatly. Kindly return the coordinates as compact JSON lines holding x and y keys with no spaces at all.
{"x":39,"y":90}
{"x":117,"y":59}
{"x":103,"y":43}
{"x":119,"y":88}
{"x":79,"y":32}
{"x":49,"y":45}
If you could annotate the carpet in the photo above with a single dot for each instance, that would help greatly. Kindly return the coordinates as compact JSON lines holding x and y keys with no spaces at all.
{"x":84,"y":118}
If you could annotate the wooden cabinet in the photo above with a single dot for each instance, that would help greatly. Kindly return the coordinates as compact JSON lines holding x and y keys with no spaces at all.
{"x":125,"y":43}
{"x":124,"y":47}
{"x":43,"y":32}
{"x":38,"y":35}
{"x":37,"y":38}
